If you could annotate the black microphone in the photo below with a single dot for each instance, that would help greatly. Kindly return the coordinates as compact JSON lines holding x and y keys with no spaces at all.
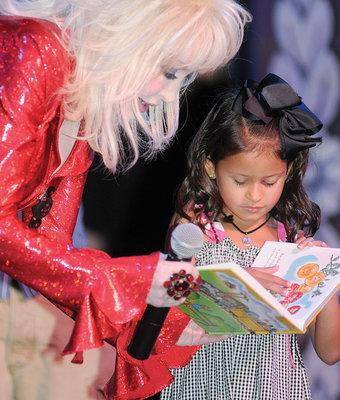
{"x":186,"y":240}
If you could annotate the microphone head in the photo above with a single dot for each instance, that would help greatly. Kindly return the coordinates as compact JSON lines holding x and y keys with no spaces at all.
{"x":186,"y":240}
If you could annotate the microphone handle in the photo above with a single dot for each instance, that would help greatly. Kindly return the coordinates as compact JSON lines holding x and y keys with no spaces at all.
{"x":147,"y":331}
{"x":149,"y":326}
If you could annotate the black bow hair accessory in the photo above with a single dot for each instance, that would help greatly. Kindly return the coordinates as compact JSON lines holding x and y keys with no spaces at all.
{"x":274,"y":98}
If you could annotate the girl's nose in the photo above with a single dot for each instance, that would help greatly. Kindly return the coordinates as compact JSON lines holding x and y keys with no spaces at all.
{"x":254,"y":193}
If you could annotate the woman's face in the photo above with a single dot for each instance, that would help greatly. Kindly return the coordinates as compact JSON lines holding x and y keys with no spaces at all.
{"x":162,"y":88}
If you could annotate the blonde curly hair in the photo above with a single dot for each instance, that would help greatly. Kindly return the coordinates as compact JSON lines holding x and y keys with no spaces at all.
{"x":119,"y":46}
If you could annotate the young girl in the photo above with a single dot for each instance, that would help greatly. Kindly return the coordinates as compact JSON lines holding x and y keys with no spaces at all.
{"x":102,"y":75}
{"x":244,"y":186}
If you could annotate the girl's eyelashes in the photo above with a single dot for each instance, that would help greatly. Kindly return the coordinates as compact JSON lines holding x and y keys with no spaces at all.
{"x":269,"y":183}
{"x":240,"y":183}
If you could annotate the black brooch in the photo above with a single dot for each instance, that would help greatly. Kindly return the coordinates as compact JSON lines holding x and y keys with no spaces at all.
{"x":41,"y":208}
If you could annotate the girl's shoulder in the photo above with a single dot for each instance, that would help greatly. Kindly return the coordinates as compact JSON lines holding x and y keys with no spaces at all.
{"x":281,"y":232}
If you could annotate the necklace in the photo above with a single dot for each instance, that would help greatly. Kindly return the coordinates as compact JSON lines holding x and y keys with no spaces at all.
{"x":246,"y":240}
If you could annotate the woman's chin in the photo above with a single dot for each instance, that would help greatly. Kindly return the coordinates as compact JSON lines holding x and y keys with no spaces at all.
{"x":142,"y":105}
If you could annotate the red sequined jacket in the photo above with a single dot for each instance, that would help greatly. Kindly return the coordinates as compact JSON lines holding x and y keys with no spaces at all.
{"x":104,"y":296}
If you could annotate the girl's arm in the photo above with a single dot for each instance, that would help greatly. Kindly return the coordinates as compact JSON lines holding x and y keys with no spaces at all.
{"x":325,"y":332}
{"x":325,"y":329}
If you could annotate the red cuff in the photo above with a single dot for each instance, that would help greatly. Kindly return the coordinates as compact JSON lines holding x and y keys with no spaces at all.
{"x":136,"y":379}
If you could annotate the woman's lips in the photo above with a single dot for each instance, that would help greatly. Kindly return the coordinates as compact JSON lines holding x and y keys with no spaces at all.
{"x":143,"y":105}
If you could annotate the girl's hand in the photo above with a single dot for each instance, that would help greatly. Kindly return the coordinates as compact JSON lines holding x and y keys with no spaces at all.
{"x":158,"y":295}
{"x":303,"y":241}
{"x":268,"y":280}
{"x":194,"y":335}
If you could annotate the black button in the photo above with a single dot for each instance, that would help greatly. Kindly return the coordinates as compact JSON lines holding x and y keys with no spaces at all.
{"x":42,"y":208}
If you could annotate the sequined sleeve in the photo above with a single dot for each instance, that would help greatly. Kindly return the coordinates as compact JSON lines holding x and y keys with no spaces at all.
{"x":87,"y":282}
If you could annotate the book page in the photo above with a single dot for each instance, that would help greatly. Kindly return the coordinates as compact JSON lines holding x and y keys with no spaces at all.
{"x":314,"y":273}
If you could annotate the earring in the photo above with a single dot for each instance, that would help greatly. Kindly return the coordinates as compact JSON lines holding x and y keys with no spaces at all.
{"x":212,"y":175}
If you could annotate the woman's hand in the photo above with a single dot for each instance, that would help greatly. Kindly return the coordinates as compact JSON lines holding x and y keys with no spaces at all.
{"x":194,"y":335}
{"x":158,"y":295}
{"x":268,"y":280}
{"x":303,"y":241}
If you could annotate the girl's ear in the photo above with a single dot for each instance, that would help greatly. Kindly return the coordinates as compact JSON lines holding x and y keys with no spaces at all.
{"x":210,"y":169}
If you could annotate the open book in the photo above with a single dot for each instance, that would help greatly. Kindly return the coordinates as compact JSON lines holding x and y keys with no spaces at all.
{"x":231,"y":301}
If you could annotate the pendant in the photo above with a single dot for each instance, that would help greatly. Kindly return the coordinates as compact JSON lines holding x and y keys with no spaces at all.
{"x":246,"y":240}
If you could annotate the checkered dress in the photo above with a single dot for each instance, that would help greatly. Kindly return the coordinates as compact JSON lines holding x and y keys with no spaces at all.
{"x":243,"y":367}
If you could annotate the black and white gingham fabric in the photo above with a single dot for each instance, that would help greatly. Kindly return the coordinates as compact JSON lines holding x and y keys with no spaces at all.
{"x":243,"y":367}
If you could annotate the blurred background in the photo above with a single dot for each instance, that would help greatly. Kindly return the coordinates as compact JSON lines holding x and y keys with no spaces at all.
{"x":300,"y":41}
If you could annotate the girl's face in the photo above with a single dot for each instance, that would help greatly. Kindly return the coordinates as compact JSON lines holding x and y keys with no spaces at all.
{"x":250,"y":184}
{"x":162,"y":88}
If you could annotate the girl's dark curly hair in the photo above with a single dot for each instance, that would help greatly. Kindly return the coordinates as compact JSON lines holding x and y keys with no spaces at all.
{"x":224,"y":133}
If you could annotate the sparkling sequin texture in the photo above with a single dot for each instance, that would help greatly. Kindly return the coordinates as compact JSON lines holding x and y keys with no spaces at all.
{"x":105,"y":296}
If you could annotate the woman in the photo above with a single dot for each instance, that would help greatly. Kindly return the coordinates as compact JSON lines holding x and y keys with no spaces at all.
{"x":101,"y":75}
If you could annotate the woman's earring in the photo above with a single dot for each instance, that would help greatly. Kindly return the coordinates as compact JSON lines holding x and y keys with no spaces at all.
{"x":212,"y":175}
